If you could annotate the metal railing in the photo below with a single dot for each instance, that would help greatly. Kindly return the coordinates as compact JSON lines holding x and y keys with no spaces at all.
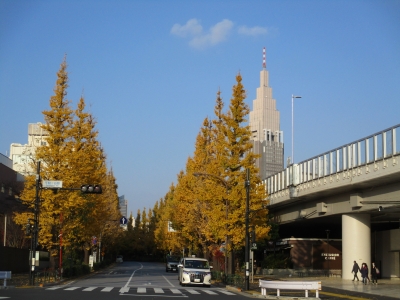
{"x":47,"y":275}
{"x":379,"y":146}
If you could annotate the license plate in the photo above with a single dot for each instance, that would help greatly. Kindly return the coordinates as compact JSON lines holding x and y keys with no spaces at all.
{"x":173,"y":269}
{"x":197,"y":280}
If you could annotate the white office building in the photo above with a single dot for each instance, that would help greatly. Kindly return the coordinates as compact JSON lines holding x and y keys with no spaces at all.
{"x":21,"y":155}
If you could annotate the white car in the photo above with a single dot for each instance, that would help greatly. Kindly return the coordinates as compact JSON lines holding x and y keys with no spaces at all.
{"x":194,"y":271}
{"x":119,"y":259}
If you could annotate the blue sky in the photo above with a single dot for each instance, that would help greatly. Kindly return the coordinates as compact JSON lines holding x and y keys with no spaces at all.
{"x":150,"y":71}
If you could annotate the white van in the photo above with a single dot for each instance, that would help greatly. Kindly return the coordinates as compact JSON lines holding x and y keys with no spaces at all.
{"x":194,"y":271}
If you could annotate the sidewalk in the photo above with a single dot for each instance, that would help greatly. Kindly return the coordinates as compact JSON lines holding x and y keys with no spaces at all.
{"x":385,"y":287}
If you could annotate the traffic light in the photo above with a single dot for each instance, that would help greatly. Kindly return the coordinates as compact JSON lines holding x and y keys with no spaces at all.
{"x":91,"y":189}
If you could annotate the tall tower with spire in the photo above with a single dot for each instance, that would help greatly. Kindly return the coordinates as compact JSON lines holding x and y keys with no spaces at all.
{"x":265,"y":128}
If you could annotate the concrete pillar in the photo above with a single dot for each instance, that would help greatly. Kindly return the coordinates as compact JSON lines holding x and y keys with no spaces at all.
{"x":356,"y":242}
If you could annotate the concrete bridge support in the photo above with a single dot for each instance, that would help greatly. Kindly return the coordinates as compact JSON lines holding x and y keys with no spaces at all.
{"x":356,"y":242}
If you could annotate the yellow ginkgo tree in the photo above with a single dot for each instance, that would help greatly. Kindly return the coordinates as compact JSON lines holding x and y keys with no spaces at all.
{"x":72,"y":154}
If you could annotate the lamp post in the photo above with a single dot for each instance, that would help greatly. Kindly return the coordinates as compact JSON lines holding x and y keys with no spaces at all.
{"x":247,"y":246}
{"x":293,"y":97}
{"x":226,"y":211}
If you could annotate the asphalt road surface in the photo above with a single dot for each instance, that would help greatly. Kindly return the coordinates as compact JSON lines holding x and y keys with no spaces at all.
{"x":133,"y":279}
{"x":148,"y":281}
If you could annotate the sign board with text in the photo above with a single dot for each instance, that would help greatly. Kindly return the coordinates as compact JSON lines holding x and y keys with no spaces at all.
{"x":52,"y":184}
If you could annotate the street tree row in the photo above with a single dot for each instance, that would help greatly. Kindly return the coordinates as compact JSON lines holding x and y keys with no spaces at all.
{"x":206,"y":207}
{"x":73,"y":155}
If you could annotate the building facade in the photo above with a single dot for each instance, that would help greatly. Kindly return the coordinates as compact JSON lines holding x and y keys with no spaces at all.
{"x":265,"y":128}
{"x":123,"y":206}
{"x":21,"y":154}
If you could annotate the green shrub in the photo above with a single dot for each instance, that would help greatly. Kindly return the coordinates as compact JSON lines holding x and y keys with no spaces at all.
{"x":76,"y":270}
{"x":96,"y":266}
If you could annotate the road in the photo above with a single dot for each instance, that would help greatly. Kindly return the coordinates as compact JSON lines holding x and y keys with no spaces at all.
{"x":150,"y":281}
{"x":140,"y":280}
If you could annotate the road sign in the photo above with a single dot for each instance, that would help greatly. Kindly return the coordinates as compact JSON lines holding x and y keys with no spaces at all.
{"x":254,"y":246}
{"x":123,"y":221}
{"x":52,"y":184}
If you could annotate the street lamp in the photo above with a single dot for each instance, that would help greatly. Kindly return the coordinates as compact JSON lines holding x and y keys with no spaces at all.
{"x":247,"y":246}
{"x":293,"y":97}
{"x":220,"y":179}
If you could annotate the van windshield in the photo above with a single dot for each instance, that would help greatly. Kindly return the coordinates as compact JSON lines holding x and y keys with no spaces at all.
{"x":197,"y":264}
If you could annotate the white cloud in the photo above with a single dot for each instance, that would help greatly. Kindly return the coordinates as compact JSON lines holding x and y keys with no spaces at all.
{"x":254,"y":31}
{"x":192,"y":29}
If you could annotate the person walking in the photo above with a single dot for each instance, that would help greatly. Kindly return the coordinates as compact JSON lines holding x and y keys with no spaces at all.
{"x":364,"y":273}
{"x":374,"y":273}
{"x":355,"y":270}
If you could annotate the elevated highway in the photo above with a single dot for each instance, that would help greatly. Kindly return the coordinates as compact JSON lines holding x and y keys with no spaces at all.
{"x":352,"y":191}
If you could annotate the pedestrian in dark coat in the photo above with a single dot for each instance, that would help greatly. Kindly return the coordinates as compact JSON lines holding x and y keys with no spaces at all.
{"x":355,"y":270}
{"x":364,"y":273}
{"x":374,"y":273}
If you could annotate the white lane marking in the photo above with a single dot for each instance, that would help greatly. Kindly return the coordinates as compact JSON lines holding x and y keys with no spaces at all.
{"x":89,"y":289}
{"x":168,"y":281}
{"x":210,"y":292}
{"x":194,"y":292}
{"x":107,"y":289}
{"x":175,"y":291}
{"x":126,"y":288}
{"x":158,"y":291}
{"x":72,"y":288}
{"x":141,"y":290}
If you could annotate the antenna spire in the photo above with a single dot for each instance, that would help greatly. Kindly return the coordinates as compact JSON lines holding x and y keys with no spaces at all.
{"x":264,"y":60}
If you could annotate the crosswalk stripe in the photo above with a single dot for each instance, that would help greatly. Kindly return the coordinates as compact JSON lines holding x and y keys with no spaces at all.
{"x":54,"y":288}
{"x":194,"y":292}
{"x":143,"y":290}
{"x":226,"y":292}
{"x":72,"y":288}
{"x":89,"y":289}
{"x":210,"y":292}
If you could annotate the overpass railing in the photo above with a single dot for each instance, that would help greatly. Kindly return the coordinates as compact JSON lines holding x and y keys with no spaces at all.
{"x":378,"y":146}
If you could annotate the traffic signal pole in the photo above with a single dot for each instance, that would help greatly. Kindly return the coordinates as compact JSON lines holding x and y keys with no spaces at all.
{"x":34,"y":228}
{"x":35,"y":233}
